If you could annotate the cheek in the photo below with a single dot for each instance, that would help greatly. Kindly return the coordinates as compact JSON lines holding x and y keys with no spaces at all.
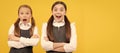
{"x":53,"y":13}
{"x":19,"y":16}
{"x":29,"y":16}
{"x":64,"y":13}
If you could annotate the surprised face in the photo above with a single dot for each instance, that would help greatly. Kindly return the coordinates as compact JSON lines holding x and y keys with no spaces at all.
{"x":58,"y":12}
{"x":25,"y":15}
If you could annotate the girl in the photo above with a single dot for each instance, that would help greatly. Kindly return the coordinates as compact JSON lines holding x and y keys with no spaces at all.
{"x":23,"y":34}
{"x":58,"y":34}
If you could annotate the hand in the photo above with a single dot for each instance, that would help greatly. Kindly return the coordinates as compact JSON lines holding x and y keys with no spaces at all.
{"x":35,"y":36}
{"x":57,"y":45}
{"x":46,"y":38}
{"x":13,"y":38}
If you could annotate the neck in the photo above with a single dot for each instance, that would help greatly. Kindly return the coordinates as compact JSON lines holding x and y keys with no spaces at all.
{"x":25,"y":22}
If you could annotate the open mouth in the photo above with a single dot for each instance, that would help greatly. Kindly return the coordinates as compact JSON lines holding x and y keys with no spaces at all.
{"x":24,"y":19}
{"x":58,"y":16}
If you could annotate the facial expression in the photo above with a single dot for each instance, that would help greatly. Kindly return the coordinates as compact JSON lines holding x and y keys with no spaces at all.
{"x":25,"y":14}
{"x":58,"y":12}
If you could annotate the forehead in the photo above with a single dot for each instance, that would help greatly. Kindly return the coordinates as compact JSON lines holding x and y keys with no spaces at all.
{"x":24,"y":9}
{"x":59,"y":6}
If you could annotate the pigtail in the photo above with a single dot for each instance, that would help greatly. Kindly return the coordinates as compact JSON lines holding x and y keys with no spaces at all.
{"x":17,"y":28}
{"x":50,"y":28}
{"x":68,"y":28}
{"x":32,"y":27}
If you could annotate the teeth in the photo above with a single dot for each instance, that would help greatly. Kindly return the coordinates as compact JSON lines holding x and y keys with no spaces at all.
{"x":58,"y":16}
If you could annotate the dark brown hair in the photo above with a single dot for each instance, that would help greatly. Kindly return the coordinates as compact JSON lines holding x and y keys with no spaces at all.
{"x":50,"y":26}
{"x":16,"y":24}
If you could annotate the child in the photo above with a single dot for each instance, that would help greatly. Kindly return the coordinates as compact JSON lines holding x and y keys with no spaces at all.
{"x":23,"y":34}
{"x":58,"y":34}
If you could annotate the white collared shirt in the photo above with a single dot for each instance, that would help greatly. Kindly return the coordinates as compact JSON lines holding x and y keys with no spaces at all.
{"x":48,"y":45}
{"x":24,"y":26}
{"x":23,"y":42}
{"x":58,"y":24}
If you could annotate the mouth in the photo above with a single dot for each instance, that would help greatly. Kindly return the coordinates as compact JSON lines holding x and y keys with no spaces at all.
{"x":24,"y":19}
{"x":58,"y":16}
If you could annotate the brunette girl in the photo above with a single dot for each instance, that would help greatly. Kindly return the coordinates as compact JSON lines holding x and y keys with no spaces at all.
{"x":23,"y":34}
{"x":58,"y":34}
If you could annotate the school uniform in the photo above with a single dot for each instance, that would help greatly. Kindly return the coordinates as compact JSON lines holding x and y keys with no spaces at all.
{"x":25,"y":43}
{"x":59,"y":35}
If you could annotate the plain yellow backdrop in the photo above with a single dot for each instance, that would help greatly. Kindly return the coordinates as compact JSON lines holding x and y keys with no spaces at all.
{"x":97,"y":22}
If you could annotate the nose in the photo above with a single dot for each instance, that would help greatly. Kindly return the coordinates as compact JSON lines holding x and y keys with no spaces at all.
{"x":58,"y":12}
{"x":24,"y":15}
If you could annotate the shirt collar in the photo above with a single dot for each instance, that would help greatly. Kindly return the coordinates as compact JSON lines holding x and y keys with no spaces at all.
{"x":23,"y":26}
{"x":58,"y":24}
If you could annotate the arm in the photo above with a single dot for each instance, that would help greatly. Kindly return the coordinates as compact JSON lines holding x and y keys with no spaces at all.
{"x":24,"y":41}
{"x":31,"y":41}
{"x":45,"y":43}
{"x":14,"y":44}
{"x":57,"y":46}
{"x":70,"y":47}
{"x":28,"y":41}
{"x":62,"y":47}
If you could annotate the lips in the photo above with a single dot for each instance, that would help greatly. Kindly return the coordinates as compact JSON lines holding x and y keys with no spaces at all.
{"x":58,"y":16}
{"x":24,"y":19}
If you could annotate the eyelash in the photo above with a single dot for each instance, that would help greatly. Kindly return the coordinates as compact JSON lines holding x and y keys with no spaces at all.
{"x":56,"y":9}
{"x":23,"y":13}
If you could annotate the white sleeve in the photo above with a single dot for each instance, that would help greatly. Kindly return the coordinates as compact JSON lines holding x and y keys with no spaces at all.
{"x":70,"y":47}
{"x":30,"y":41}
{"x":14,"y":43}
{"x":11,"y":30}
{"x":35,"y":32}
{"x":47,"y":45}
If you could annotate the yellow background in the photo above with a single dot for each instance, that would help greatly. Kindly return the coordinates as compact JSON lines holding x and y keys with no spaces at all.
{"x":97,"y":22}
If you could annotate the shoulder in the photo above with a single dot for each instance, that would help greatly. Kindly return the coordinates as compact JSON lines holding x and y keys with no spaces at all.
{"x":35,"y":27}
{"x":72,"y":24}
{"x":44,"y":24}
{"x":12,"y":26}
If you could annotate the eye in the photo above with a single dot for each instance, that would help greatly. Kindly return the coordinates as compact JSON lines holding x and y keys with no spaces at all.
{"x":21,"y":13}
{"x":55,"y":9}
{"x":27,"y":13}
{"x":61,"y":9}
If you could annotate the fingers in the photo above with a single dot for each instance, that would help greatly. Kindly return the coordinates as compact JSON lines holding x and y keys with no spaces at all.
{"x":46,"y":38}
{"x":35,"y":36}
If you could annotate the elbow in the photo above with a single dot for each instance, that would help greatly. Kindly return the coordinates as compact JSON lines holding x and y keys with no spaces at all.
{"x":47,"y":46}
{"x":70,"y":48}
{"x":73,"y":48}
{"x":44,"y":46}
{"x":35,"y":42}
{"x":9,"y":44}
